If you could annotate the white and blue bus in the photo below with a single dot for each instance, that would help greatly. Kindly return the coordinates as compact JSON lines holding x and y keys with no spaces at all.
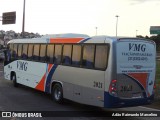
{"x":101,"y":71}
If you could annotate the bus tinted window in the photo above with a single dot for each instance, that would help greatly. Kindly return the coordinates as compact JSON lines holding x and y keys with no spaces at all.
{"x":76,"y":55}
{"x":11,"y":46}
{"x":58,"y":54}
{"x":50,"y":53}
{"x":19,"y":50}
{"x":24,"y":52}
{"x":36,"y":52}
{"x":101,"y":56}
{"x":14,"y":54}
{"x":11,"y":49}
{"x":30,"y":51}
{"x":88,"y":56}
{"x":43,"y":53}
{"x":67,"y":54}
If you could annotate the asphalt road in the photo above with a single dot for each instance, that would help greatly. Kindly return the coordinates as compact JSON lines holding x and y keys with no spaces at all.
{"x":27,"y":99}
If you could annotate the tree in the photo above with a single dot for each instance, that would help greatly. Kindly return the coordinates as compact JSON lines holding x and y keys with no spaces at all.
{"x":156,"y":39}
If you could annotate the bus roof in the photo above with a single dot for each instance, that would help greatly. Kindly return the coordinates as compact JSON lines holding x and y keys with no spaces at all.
{"x":65,"y":35}
{"x":72,"y":38}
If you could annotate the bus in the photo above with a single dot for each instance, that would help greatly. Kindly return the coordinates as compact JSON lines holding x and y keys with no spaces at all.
{"x":103,"y":71}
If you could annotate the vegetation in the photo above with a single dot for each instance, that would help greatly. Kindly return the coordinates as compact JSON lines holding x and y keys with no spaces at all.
{"x":157,"y":82}
{"x":156,"y":39}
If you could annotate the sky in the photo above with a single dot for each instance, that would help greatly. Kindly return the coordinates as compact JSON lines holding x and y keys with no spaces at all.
{"x":84,"y":16}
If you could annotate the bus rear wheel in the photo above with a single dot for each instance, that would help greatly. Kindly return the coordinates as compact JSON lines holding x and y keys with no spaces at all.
{"x":57,"y":93}
{"x":14,"y":80}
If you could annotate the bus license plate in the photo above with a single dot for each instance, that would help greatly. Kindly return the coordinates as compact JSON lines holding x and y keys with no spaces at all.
{"x":136,"y":95}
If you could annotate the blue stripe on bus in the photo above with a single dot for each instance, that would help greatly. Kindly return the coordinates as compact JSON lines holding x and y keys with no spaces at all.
{"x":84,"y":40}
{"x":49,"y":78}
{"x":114,"y":102}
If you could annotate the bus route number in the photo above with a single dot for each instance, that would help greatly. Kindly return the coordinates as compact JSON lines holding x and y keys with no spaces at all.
{"x":125,"y":88}
{"x":97,"y":84}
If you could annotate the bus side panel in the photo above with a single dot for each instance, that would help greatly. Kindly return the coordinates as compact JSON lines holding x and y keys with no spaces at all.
{"x":27,"y":73}
{"x":33,"y":73}
{"x":81,"y":85}
{"x":7,"y":72}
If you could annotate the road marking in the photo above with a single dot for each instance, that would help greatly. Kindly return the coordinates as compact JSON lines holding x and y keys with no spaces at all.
{"x":1,"y":71}
{"x":149,"y":108}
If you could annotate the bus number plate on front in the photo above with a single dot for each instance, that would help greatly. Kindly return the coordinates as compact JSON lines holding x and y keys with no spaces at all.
{"x":126,"y":88}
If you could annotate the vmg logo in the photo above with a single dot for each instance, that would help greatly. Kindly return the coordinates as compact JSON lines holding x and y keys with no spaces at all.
{"x":137,"y":47}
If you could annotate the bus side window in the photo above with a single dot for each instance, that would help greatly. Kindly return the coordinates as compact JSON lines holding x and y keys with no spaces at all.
{"x":11,"y":46}
{"x":67,"y":54}
{"x":76,"y":55}
{"x":58,"y":54}
{"x":50,"y":53}
{"x":101,"y":57}
{"x":36,"y":52}
{"x":24,"y":51}
{"x":11,"y":50}
{"x":43,"y":53}
{"x":19,"y":50}
{"x":30,"y":51}
{"x":88,"y":56}
{"x":14,"y":53}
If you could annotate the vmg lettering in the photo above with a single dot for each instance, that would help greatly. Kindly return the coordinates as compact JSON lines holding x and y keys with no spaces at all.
{"x":137,"y":47}
{"x":22,"y":65}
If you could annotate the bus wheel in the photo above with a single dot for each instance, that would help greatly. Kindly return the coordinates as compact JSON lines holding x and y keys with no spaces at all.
{"x":57,"y":93}
{"x":15,"y":84}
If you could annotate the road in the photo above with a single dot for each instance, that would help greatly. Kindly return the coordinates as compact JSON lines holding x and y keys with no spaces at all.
{"x":27,"y":99}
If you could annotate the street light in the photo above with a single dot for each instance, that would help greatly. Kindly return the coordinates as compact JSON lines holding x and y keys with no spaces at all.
{"x":96,"y":30}
{"x":136,"y":32}
{"x":116,"y":24}
{"x":23,"y":23}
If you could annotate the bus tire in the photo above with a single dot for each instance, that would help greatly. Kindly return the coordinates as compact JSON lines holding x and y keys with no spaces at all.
{"x":14,"y":80}
{"x":57,"y":93}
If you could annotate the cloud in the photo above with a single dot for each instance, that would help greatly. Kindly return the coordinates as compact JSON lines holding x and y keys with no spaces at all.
{"x":140,"y":1}
{"x":133,"y":2}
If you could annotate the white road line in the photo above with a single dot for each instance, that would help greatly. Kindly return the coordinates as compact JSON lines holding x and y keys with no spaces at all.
{"x":149,"y":108}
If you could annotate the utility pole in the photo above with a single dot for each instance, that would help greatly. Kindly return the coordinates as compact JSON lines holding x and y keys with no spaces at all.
{"x":136,"y":32}
{"x":116,"y":24}
{"x":96,"y":30}
{"x":23,"y":22}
